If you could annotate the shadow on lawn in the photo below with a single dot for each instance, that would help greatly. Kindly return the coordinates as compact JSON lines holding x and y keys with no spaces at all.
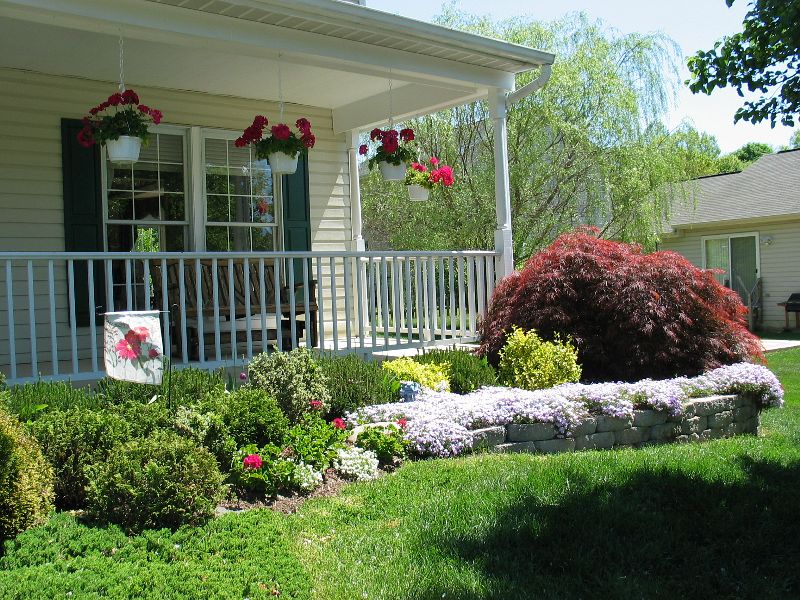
{"x":657,"y":535}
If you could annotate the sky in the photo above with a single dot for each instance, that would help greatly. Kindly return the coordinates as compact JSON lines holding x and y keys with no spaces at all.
{"x":693,"y":24}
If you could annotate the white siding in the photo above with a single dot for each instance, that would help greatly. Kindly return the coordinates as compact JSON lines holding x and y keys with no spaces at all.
{"x":780,"y":269}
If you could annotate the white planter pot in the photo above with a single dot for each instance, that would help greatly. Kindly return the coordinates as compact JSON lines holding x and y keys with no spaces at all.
{"x":417,"y":193}
{"x":125,"y":150}
{"x":282,"y":164}
{"x":392,"y":172}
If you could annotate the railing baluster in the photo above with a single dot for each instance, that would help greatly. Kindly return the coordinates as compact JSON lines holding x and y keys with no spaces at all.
{"x":334,"y":307}
{"x":247,"y":321}
{"x":471,"y":293}
{"x":232,"y":308}
{"x":128,"y":285}
{"x":378,"y":294}
{"x":51,"y":292}
{"x":262,"y":296}
{"x":481,"y":280}
{"x":165,"y":308}
{"x":372,"y":302}
{"x":110,"y":305}
{"x":12,"y":338}
{"x":215,"y":302}
{"x":442,"y":305}
{"x":92,"y":311}
{"x":385,"y":303}
{"x":182,"y":296}
{"x":147,"y":288}
{"x":321,"y":304}
{"x":278,"y":307}
{"x":409,"y":293}
{"x":360,"y":281}
{"x":490,"y":277}
{"x":201,"y":337}
{"x":432,"y":297}
{"x":396,"y":288}
{"x":306,"y":302}
{"x":453,"y":311}
{"x":422,"y":265}
{"x":348,"y":304}
{"x":32,"y":318}
{"x":73,"y":327}
{"x":461,"y":304}
{"x":292,"y":308}
{"x":420,"y":312}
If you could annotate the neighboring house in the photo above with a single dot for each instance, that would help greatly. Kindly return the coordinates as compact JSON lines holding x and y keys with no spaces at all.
{"x":748,"y":226}
{"x":76,"y":230}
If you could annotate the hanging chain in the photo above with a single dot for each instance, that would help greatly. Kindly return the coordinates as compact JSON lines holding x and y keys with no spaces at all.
{"x":280,"y":88}
{"x":121,"y":63}
{"x":391,"y":108}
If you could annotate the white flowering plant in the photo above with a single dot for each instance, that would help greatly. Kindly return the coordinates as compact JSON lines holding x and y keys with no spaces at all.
{"x":357,"y":463}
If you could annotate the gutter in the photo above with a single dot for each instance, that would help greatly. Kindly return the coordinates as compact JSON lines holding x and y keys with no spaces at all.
{"x":526,"y":90}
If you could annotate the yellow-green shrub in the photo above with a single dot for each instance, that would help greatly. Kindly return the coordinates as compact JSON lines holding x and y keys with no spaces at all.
{"x":26,"y":479}
{"x":434,"y":376}
{"x":529,"y":362}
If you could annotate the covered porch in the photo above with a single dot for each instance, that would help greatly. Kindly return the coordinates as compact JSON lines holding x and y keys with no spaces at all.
{"x":179,"y":231}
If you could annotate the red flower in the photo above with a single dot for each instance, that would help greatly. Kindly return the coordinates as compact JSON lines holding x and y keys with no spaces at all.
{"x":85,"y":137}
{"x":242,"y":376}
{"x":240,"y":143}
{"x":129,"y":347}
{"x":130,"y":97}
{"x":446,"y":174}
{"x":407,"y":135}
{"x":260,"y":122}
{"x":94,"y":111}
{"x":304,"y":126}
{"x":144,"y":109}
{"x":281,"y":132}
{"x":142,"y":333}
{"x":316,"y":404}
{"x":434,"y":161}
{"x":363,"y":149}
{"x":375,"y":134}
{"x":308,"y":140}
{"x":252,"y":461}
{"x":402,"y":423}
{"x":156,"y":115}
{"x":153,"y":353}
{"x":418,"y":167}
{"x":339,"y":423}
{"x":115,"y":99}
{"x":391,"y":134}
{"x":390,"y":145}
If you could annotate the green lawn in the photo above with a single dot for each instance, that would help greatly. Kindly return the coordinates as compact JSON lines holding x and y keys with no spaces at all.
{"x":715,"y":520}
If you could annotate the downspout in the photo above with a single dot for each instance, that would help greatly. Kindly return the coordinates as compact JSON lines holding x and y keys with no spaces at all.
{"x":526,"y":90}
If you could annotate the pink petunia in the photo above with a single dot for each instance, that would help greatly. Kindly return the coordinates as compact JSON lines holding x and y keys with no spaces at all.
{"x":339,"y":423}
{"x":434,"y":161}
{"x":252,"y":461}
{"x":129,"y":348}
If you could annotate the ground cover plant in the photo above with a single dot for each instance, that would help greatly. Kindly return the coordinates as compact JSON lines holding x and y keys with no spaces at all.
{"x":631,"y":315}
{"x":714,"y":519}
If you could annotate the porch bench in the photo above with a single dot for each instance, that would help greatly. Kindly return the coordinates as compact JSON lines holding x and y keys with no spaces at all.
{"x":242,"y":313}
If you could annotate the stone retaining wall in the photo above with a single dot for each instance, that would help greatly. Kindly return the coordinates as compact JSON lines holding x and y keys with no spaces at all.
{"x":702,"y":419}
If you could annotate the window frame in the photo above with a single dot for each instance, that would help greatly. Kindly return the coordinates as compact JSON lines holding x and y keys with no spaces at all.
{"x":729,"y":236}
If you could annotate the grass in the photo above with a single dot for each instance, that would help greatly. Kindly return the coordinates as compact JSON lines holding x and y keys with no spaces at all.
{"x":716,"y":519}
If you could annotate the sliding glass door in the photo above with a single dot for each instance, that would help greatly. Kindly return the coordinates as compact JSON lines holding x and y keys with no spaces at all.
{"x":737,"y":257}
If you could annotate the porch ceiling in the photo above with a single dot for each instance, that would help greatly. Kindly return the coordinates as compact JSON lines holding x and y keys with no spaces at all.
{"x":334,"y":55}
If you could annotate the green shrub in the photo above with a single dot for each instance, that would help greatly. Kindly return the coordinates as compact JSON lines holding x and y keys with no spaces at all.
{"x":161,"y":481}
{"x":433,"y":376}
{"x":31,"y":400}
{"x":387,"y":442}
{"x":467,"y":372}
{"x":314,"y":441}
{"x":272,"y":476}
{"x":253,"y":416}
{"x":293,"y":378}
{"x":528,"y":362}
{"x":26,"y":479}
{"x":354,"y":382}
{"x":143,"y":418}
{"x":206,"y":428}
{"x":73,"y":439}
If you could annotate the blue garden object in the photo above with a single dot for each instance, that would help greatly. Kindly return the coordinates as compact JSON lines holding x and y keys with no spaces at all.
{"x":409,"y":391}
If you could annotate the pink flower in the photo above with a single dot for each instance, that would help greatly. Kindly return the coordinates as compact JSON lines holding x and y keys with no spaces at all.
{"x":242,"y":376}
{"x":308,"y":140}
{"x":418,"y":167}
{"x":339,"y":423}
{"x":143,"y":108}
{"x":281,"y":132}
{"x":154,"y":353}
{"x":407,"y":135}
{"x":446,"y":175}
{"x":129,"y":347}
{"x":142,"y":332}
{"x":402,"y":423}
{"x":156,"y":115}
{"x":303,"y":125}
{"x":434,"y":161}
{"x":316,"y":404}
{"x":252,"y":461}
{"x":363,"y":149}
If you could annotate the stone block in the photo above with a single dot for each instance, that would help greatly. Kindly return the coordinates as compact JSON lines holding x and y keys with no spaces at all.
{"x":666,"y":431}
{"x":689,"y":410}
{"x":553,"y":446}
{"x":588,"y":427}
{"x":595,"y":441}
{"x":715,"y":434}
{"x":705,"y":407}
{"x":605,"y":423}
{"x":517,"y":447}
{"x":648,"y":418}
{"x":705,"y":435}
{"x":720,"y":420}
{"x":694,"y":425}
{"x":751,"y":425}
{"x":743,"y":413}
{"x":632,"y":436}
{"x":488,"y":438}
{"x":532,"y":432}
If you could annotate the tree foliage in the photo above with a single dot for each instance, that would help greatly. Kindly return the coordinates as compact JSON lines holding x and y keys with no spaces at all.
{"x":752,"y":151}
{"x":764,"y":57}
{"x":588,"y":148}
{"x":631,"y":315}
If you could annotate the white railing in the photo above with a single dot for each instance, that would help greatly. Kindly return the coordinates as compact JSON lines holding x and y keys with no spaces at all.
{"x":218,"y":309}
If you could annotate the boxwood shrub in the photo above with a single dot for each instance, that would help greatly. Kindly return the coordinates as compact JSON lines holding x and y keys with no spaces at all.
{"x":354,"y":382}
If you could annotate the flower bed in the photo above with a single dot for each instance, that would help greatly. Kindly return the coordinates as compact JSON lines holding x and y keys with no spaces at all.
{"x":442,"y":424}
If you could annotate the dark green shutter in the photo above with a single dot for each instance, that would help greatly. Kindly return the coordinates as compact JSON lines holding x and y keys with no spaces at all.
{"x":297,"y":213}
{"x":83,"y":212}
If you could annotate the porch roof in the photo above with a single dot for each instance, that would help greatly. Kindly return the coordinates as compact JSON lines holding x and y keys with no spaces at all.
{"x":333,"y":54}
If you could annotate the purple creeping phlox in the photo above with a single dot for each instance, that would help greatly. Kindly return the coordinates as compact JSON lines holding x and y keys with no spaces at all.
{"x":439,"y":423}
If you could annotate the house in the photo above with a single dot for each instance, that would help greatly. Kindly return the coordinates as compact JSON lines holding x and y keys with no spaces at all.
{"x":747,"y":225}
{"x":177,"y":232}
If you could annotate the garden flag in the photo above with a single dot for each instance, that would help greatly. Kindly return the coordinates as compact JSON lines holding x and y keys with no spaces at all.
{"x":133,"y":347}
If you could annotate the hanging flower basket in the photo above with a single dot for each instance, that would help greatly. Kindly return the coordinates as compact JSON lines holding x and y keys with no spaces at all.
{"x":421,"y":179}
{"x":392,"y":172}
{"x":125,"y":150}
{"x":282,"y":147}
{"x":120,"y":124}
{"x":393,"y":154}
{"x":281,"y":163}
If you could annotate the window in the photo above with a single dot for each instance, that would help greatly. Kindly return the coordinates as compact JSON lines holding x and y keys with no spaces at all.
{"x":737,"y":256}
{"x":146,"y":202}
{"x":240,"y":202}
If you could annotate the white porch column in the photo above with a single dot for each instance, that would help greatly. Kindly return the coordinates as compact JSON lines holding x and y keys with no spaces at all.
{"x":502,"y":187}
{"x":357,"y":240}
